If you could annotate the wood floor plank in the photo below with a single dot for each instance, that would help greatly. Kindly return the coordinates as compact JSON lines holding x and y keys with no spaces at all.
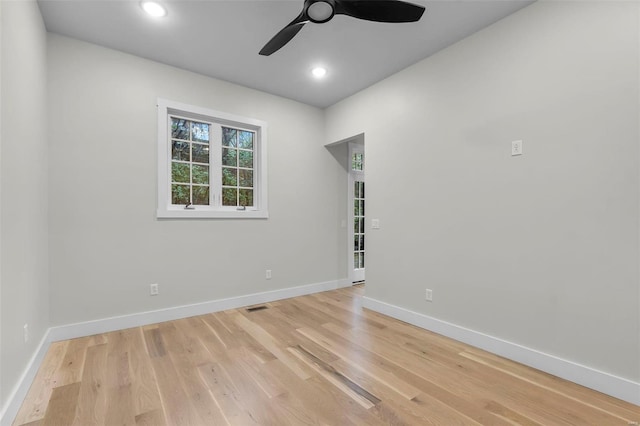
{"x":151,"y":418}
{"x":175,"y":401}
{"x":144,"y":389}
{"x":186,"y":354}
{"x":319,"y":359}
{"x":351,"y":389}
{"x":92,"y":398}
{"x":120,"y":409}
{"x":363,"y":362}
{"x":70,"y":370}
{"x":266,"y":340}
{"x":35,"y":404}
{"x":62,"y":405}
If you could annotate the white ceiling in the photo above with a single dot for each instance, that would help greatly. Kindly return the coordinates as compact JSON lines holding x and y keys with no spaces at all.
{"x":222,"y":39}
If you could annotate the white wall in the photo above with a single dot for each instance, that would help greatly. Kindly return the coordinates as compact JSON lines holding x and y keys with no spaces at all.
{"x":539,"y":250}
{"x":23,"y":189}
{"x":106,"y":244}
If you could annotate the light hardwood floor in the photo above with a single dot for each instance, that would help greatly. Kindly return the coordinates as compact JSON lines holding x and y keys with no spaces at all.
{"x":317,"y":360}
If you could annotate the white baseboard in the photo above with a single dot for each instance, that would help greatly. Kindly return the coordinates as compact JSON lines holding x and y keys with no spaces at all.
{"x":19,"y":392}
{"x":89,"y":328}
{"x":345,"y":282}
{"x":105,"y":325}
{"x":586,"y":376}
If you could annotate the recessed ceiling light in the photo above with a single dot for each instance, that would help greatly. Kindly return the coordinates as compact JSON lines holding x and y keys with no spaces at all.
{"x":154,"y":9}
{"x":319,"y":72}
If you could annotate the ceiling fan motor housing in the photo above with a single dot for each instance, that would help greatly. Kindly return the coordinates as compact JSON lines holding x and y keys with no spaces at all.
{"x":320,"y":11}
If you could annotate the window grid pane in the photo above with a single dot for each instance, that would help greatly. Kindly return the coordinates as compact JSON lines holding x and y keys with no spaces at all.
{"x":238,"y":178}
{"x":189,"y":162}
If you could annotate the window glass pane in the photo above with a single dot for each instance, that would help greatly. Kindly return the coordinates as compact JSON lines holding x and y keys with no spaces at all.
{"x":246,"y":178}
{"x":200,"y":132}
{"x":179,"y":128}
{"x":245,"y":139}
{"x":246,"y":197}
{"x":229,"y":176}
{"x":180,"y":151}
{"x":179,"y":194}
{"x":229,"y":197}
{"x":201,"y":195}
{"x":229,"y":137}
{"x":246,"y":159}
{"x":200,"y":174}
{"x":200,"y":153}
{"x":180,"y":172}
{"x":229,"y":157}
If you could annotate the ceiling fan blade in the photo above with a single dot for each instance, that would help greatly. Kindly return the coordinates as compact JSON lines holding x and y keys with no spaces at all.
{"x":284,"y":36}
{"x":380,"y":10}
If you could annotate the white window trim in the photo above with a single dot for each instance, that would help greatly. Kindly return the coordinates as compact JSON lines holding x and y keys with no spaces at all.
{"x":165,"y":208}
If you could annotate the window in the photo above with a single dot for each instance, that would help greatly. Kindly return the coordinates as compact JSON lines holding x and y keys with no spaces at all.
{"x":210,"y":164}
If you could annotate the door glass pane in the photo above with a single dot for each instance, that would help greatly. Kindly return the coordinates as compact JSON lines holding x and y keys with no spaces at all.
{"x":357,"y":161}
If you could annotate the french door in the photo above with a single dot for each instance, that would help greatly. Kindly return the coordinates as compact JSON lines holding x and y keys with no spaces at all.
{"x":356,"y":213}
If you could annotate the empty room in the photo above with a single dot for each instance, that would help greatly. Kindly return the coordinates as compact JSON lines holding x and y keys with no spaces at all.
{"x":319,"y":212}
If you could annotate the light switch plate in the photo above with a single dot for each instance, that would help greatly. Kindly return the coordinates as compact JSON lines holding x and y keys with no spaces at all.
{"x":375,"y":223}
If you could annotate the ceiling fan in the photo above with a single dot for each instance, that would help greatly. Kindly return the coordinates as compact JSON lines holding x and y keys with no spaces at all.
{"x":321,"y":11}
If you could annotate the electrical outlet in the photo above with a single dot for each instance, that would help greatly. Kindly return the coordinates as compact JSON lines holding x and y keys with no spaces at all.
{"x":429,"y":295}
{"x":26,"y":332}
{"x":267,"y":274}
{"x":153,"y":289}
{"x":516,"y":148}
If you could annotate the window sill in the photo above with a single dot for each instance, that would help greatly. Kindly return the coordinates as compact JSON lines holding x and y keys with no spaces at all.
{"x":212,"y":214}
